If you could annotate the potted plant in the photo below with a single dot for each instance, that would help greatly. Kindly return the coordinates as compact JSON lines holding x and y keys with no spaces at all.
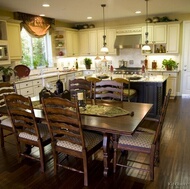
{"x":7,"y":73}
{"x":169,"y":64}
{"x":87,"y":62}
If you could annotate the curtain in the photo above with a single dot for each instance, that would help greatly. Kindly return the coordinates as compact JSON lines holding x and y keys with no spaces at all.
{"x":37,"y":26}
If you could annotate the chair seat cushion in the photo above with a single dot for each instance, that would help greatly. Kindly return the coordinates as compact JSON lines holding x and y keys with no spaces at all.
{"x":138,"y":139}
{"x":91,"y":140}
{"x":130,"y":92}
{"x":44,"y":133}
{"x":6,"y":121}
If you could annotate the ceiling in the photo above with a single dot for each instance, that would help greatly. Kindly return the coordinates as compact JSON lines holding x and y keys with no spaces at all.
{"x":76,"y":11}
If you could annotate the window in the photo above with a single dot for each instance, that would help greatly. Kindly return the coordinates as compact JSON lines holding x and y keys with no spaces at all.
{"x":37,"y":52}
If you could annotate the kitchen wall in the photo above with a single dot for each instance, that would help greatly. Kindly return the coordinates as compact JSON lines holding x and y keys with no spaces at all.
{"x":124,"y":54}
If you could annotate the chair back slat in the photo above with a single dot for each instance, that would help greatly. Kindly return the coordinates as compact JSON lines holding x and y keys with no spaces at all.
{"x":63,"y":120}
{"x":21,"y":111}
{"x":108,"y":89}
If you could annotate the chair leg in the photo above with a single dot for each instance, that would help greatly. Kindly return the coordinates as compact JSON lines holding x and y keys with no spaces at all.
{"x":2,"y":137}
{"x":152,"y":158}
{"x":55,"y":157}
{"x":114,"y":160}
{"x":42,"y":158}
{"x":85,"y":167}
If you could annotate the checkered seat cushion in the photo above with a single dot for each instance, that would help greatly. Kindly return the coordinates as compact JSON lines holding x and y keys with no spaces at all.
{"x":138,"y":139}
{"x":130,"y":92}
{"x":91,"y":140}
{"x":44,"y":133}
{"x":6,"y":121}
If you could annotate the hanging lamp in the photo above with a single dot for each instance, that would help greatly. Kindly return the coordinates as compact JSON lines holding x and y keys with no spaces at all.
{"x":146,"y":47}
{"x":104,"y":48}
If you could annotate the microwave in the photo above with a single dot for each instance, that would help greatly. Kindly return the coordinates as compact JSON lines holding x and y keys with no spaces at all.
{"x":3,"y":52}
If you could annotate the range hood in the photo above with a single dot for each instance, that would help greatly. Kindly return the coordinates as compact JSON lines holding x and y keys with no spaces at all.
{"x":127,"y":41}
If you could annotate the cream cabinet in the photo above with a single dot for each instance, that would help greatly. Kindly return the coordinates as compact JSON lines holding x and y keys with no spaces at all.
{"x":88,"y":42}
{"x":72,"y":43}
{"x":37,"y":86}
{"x":173,"y":31}
{"x":172,"y":83}
{"x":25,"y":88}
{"x":156,"y":34}
{"x":110,"y":40}
{"x":14,"y":40}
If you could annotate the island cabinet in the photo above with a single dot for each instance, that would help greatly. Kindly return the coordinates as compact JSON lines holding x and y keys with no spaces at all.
{"x":151,"y":92}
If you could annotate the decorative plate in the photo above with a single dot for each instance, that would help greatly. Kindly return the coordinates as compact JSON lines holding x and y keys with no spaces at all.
{"x":22,"y":71}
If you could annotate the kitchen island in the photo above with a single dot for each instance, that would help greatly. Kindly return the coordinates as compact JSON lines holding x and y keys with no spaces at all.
{"x":150,"y":89}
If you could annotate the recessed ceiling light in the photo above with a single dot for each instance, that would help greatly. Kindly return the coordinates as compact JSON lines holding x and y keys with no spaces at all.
{"x":42,"y":14}
{"x":138,"y":12}
{"x":89,"y":17}
{"x":46,"y":5}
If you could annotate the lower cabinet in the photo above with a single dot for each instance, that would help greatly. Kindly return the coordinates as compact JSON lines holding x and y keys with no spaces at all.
{"x":151,"y":92}
{"x":37,"y":86}
{"x":172,"y":83}
{"x":25,"y":88}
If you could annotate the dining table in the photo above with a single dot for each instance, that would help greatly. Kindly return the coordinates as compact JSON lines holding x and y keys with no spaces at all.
{"x":109,"y":125}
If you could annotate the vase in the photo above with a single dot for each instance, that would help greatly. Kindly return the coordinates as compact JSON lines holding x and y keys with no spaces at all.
{"x":88,"y":67}
{"x":168,"y":67}
{"x":6,"y":78}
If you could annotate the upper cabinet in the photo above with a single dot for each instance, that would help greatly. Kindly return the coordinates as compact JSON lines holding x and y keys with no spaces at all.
{"x":88,"y":42}
{"x":110,"y":40}
{"x":14,"y":40}
{"x":173,"y":38}
{"x":66,"y":42}
{"x":72,"y":43}
{"x":162,"y":38}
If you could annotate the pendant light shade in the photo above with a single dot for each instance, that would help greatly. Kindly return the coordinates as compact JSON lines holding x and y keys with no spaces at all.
{"x":104,"y":48}
{"x":146,"y":47}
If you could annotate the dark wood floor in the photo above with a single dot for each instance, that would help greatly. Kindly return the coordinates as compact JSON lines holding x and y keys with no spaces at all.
{"x":173,"y":171}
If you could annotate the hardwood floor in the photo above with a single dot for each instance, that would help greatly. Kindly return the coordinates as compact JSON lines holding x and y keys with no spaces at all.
{"x":173,"y":170}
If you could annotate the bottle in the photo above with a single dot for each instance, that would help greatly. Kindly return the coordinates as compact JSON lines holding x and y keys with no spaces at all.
{"x":146,"y":63}
{"x":76,"y":64}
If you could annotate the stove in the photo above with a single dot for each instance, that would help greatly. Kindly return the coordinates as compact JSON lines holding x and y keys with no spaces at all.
{"x":128,"y":70}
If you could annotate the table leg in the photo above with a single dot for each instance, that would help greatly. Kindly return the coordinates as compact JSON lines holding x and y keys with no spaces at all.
{"x":106,"y":142}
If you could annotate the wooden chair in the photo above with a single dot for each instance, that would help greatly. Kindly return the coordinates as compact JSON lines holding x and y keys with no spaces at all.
{"x":92,"y":81}
{"x":5,"y":122}
{"x":128,"y":93}
{"x":142,"y":142}
{"x":149,"y":125}
{"x":26,"y":129}
{"x":79,"y":84}
{"x":67,"y":135}
{"x":109,"y":90}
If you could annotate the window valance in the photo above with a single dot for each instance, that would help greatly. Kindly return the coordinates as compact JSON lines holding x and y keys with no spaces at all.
{"x":37,"y":26}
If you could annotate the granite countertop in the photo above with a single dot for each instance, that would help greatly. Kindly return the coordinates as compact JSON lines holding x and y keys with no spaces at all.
{"x":163,"y":70}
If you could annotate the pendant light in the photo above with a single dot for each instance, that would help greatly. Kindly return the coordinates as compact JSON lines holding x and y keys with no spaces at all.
{"x":104,"y":48}
{"x":146,"y":47}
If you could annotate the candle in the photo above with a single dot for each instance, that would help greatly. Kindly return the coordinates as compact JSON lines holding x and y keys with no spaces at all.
{"x":80,"y":96}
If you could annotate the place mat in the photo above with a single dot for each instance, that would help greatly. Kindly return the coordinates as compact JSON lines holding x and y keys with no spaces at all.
{"x":105,"y":111}
{"x":97,"y":110}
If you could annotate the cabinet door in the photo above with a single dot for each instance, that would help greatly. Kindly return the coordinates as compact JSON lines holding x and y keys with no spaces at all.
{"x":150,"y":34}
{"x":88,"y":43}
{"x":71,"y":43}
{"x":159,"y":35}
{"x":92,"y":42}
{"x":14,"y":40}
{"x":111,"y":35}
{"x":173,"y":38}
{"x":84,"y":40}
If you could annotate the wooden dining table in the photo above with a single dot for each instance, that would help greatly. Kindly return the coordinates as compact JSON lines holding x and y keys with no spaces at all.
{"x":116,"y":125}
{"x":108,"y":126}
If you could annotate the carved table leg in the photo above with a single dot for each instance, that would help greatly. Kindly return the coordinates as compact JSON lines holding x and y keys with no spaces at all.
{"x":106,"y":141}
